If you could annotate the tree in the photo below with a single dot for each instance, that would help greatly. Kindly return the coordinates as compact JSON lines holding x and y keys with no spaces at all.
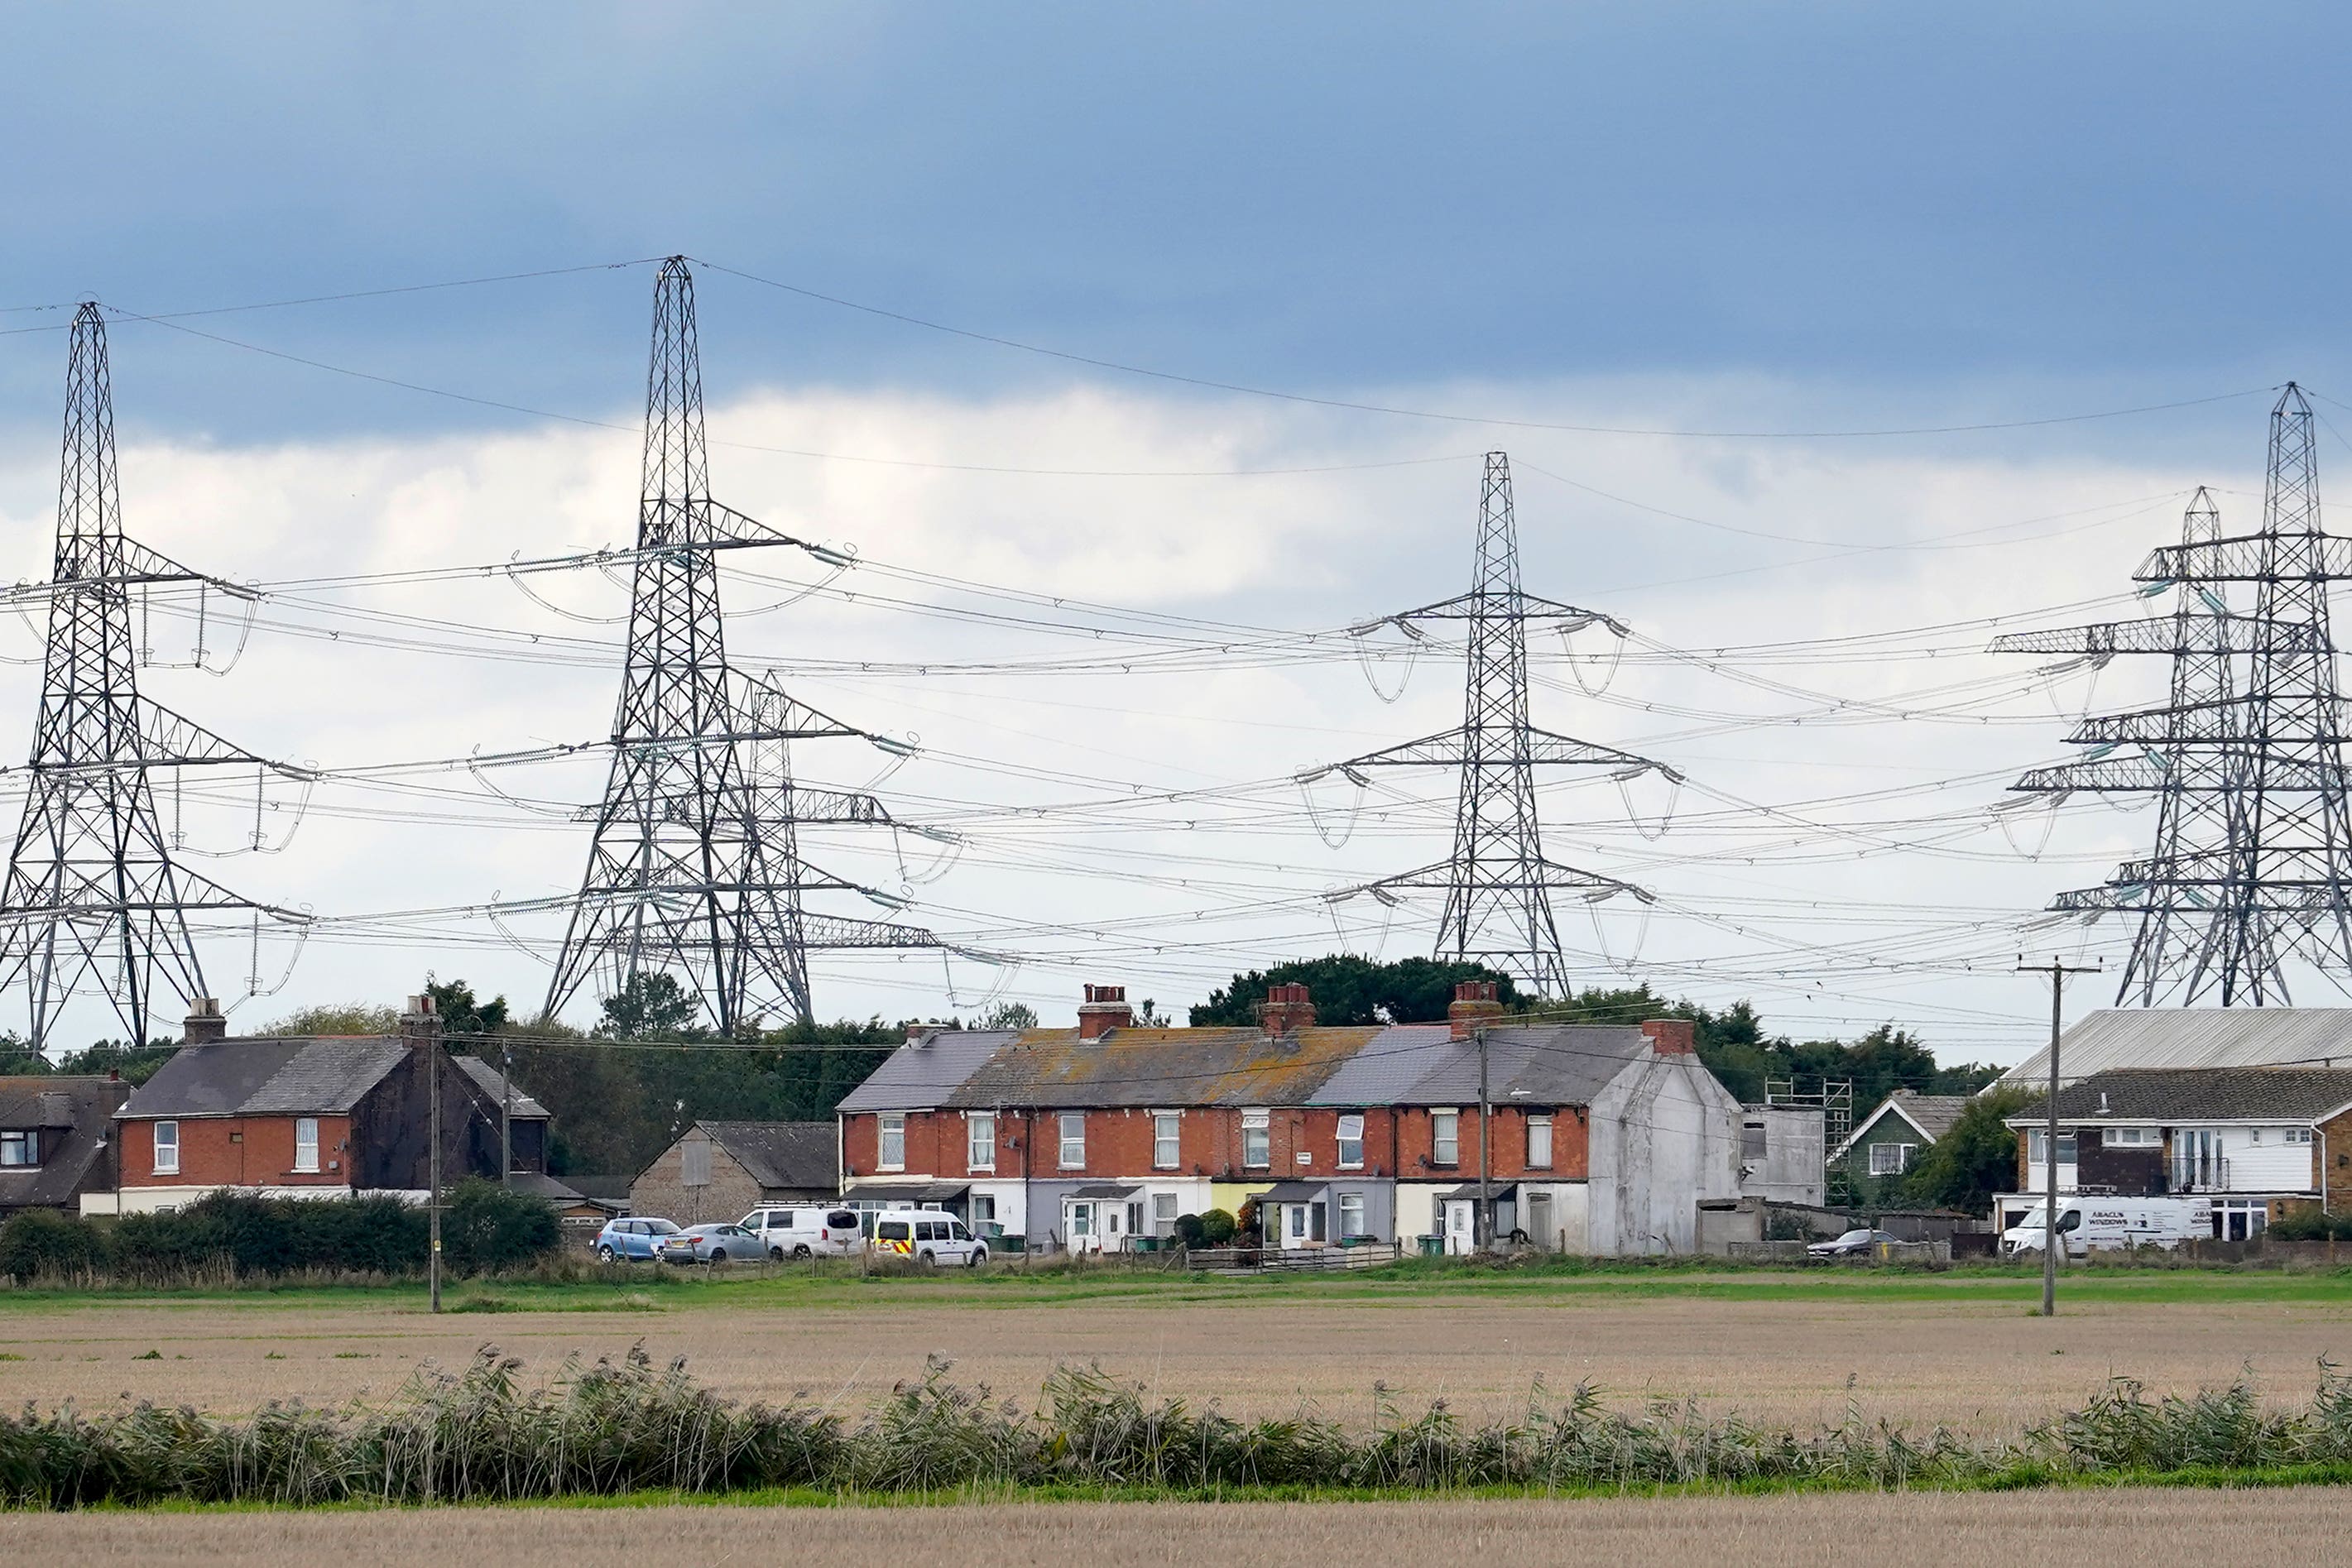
{"x":1008,"y":1015}
{"x":1975,"y":1158}
{"x":335,"y":1018}
{"x":461,"y":1012}
{"x":1352,"y":990}
{"x":651,"y":1005}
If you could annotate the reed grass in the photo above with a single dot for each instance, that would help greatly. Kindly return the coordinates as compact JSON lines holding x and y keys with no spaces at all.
{"x":614,"y":1427}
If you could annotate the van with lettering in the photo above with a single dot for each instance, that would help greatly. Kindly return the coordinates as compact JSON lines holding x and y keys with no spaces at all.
{"x":2088,"y":1225}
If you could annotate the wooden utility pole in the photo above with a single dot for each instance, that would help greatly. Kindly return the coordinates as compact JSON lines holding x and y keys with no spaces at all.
{"x":433,"y":1161}
{"x":2057,"y":970}
{"x":506,"y":1117}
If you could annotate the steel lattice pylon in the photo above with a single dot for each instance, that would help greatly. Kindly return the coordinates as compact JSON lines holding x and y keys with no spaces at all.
{"x":693,"y":872}
{"x":2252,"y":862}
{"x":1499,"y":883}
{"x":93,"y":892}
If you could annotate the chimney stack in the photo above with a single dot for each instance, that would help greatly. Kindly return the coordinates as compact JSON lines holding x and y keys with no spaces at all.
{"x":1672,"y":1037}
{"x":1287,"y":1010}
{"x":1104,"y":1010}
{"x":920,"y":1033}
{"x":420,"y":1023}
{"x":1475,"y":1003}
{"x":203,"y":1023}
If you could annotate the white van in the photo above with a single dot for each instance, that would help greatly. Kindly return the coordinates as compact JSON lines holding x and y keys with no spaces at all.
{"x":929,"y":1236}
{"x":2106,"y":1224}
{"x":806,"y":1232}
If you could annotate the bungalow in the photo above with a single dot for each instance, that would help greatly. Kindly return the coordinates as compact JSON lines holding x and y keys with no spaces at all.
{"x":56,"y":1140}
{"x":2256,"y":1140}
{"x":1593,"y":1138}
{"x":327,"y":1117}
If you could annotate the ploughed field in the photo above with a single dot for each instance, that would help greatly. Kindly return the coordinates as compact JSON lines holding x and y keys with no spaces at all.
{"x":1974,"y":1359}
{"x":2106,"y":1525}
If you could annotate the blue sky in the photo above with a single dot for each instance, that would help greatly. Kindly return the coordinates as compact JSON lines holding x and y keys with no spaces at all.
{"x":1926,"y":213}
{"x":1698,"y":218}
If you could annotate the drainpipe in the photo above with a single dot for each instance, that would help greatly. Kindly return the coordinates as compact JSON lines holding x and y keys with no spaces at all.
{"x":2321,"y":1133}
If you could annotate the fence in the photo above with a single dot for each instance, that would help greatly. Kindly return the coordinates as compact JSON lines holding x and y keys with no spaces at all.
{"x":1273,"y":1260}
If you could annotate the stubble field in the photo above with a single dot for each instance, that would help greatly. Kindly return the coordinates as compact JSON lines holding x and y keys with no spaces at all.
{"x":1972,"y":1356}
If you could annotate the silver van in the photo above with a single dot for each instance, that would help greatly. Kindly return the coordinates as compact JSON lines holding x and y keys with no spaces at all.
{"x":830,"y":1232}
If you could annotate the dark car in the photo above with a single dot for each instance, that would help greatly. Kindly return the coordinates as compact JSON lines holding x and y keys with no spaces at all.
{"x":1853,"y":1243}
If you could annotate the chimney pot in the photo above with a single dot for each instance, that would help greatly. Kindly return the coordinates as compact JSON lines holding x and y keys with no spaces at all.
{"x":1288,"y":1009}
{"x":1104,"y":1010}
{"x":1672,"y":1037}
{"x":419,"y":1023}
{"x":204,"y":1022}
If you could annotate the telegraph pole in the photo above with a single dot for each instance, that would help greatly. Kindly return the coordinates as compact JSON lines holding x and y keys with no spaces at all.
{"x":433,"y":1204}
{"x":2057,"y":970}
{"x":506,"y":1117}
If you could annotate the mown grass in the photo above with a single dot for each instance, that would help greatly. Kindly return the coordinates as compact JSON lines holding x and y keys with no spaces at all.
{"x":627,"y":1428}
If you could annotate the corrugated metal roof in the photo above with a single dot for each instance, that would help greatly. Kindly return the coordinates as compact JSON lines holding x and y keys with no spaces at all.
{"x":1052,"y":1067}
{"x":919,"y":1075}
{"x":2194,"y":1036}
{"x":2202,"y":1094}
{"x":1546,"y":1064}
{"x":295,"y":1077}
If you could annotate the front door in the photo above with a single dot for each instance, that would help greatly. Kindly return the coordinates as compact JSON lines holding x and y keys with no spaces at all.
{"x":1459,"y":1239}
{"x":1539,"y":1230}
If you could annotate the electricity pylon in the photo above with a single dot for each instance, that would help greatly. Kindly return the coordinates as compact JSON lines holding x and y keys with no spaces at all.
{"x":2252,"y":863}
{"x":691,"y":873}
{"x":1499,"y":883}
{"x":93,"y":892}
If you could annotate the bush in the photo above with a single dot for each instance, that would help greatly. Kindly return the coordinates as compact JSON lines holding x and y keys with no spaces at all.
{"x":1188,"y":1229}
{"x":43,"y":1241}
{"x":1217,"y":1228}
{"x":2308,"y":1224}
{"x":486,"y":1228}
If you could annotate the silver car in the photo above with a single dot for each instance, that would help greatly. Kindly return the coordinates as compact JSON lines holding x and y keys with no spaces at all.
{"x":713,"y":1244}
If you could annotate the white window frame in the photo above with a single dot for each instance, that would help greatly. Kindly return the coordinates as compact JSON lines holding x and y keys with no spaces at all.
{"x":1351,"y":1204}
{"x":1901,"y":1162}
{"x":1072,"y":1155}
{"x":25,"y":1139}
{"x":1163,"y":1213}
{"x":1445,"y":1138}
{"x":2300,"y":1135}
{"x":167,"y":1148}
{"x":2037,"y":1141}
{"x":306,"y":1146}
{"x":1166,"y":1140}
{"x":1539,"y":1122}
{"x":2130,"y":1138}
{"x":1352,"y":1133}
{"x":890,"y":1140}
{"x":1257,"y":1140}
{"x":980,"y":1140}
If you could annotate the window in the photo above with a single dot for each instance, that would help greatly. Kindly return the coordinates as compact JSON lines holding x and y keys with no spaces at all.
{"x":1082,"y":1219}
{"x":2254,"y":1137}
{"x":1890,"y":1159}
{"x":929,"y":1230}
{"x":1297,"y":1221}
{"x":1445,"y":1137}
{"x":980,"y":1132}
{"x":1751,"y":1141}
{"x":1539,"y":1141}
{"x":894,"y":1230}
{"x":2037,"y":1145}
{"x":2298,"y":1134}
{"x":694,"y":1161}
{"x":1163,"y":1214}
{"x":1165,"y":1149}
{"x":1258,"y":1139}
{"x":20,"y":1148}
{"x":306,"y":1143}
{"x":1351,"y":1215}
{"x":167,"y":1148}
{"x":1074,"y":1140}
{"x":1352,"y":1142}
{"x":2129,"y":1138}
{"x":1315,"y":1222}
{"x":983,"y":1214}
{"x":893,"y":1154}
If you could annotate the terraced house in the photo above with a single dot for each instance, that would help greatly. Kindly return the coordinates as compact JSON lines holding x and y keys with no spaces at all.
{"x":1599,"y":1139}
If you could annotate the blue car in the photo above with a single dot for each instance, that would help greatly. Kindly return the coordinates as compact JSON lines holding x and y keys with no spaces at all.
{"x":631,"y":1241}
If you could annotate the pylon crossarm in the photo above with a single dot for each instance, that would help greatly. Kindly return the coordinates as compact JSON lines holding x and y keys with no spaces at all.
{"x":836,"y":932}
{"x":767,"y":712}
{"x":2249,"y":558}
{"x":1549,"y":876}
{"x":1527,"y":606}
{"x":2192,"y":724}
{"x":168,"y":739}
{"x":2206,"y":633}
{"x":1452,"y":749}
{"x":2107,"y":776}
{"x":724,"y":528}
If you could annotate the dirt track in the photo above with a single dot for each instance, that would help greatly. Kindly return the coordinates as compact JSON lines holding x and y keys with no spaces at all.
{"x":2117,"y":1526}
{"x":1987,"y":1367}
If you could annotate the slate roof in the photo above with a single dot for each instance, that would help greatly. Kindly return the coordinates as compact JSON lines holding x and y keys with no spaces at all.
{"x":1930,"y":1116}
{"x":2200,"y":1094}
{"x":539,"y":1185}
{"x":298,"y":1077}
{"x":1049,"y":1068}
{"x":920,"y":1075}
{"x":486,"y":1074}
{"x":2194,"y":1036}
{"x":782,"y":1153}
{"x":73,"y":1114}
{"x":1423,"y":1064}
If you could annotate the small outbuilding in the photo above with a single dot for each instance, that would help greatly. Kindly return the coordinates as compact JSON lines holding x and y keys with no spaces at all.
{"x":722,"y":1170}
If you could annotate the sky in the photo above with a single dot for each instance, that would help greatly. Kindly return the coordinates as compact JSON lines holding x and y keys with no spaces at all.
{"x":933,"y":245}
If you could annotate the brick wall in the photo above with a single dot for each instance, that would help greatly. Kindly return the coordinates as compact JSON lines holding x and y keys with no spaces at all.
{"x":237,"y":1151}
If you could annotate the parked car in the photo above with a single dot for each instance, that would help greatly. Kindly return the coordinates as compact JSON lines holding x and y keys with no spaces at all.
{"x":806,"y":1232}
{"x":1849,"y":1244}
{"x":929,"y":1237}
{"x":627,"y":1240}
{"x":713,"y":1244}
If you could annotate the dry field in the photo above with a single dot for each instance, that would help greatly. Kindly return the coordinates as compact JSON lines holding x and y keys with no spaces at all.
{"x":1989,"y":1367}
{"x":2108,"y":1526}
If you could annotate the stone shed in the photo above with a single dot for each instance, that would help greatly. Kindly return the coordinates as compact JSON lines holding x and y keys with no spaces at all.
{"x":722,"y":1170}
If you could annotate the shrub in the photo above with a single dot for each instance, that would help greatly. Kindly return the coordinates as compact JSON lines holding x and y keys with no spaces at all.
{"x":43,"y":1241}
{"x":1189,"y":1230}
{"x":1217,"y":1228}
{"x":2308,"y":1224}
{"x":486,"y":1226}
